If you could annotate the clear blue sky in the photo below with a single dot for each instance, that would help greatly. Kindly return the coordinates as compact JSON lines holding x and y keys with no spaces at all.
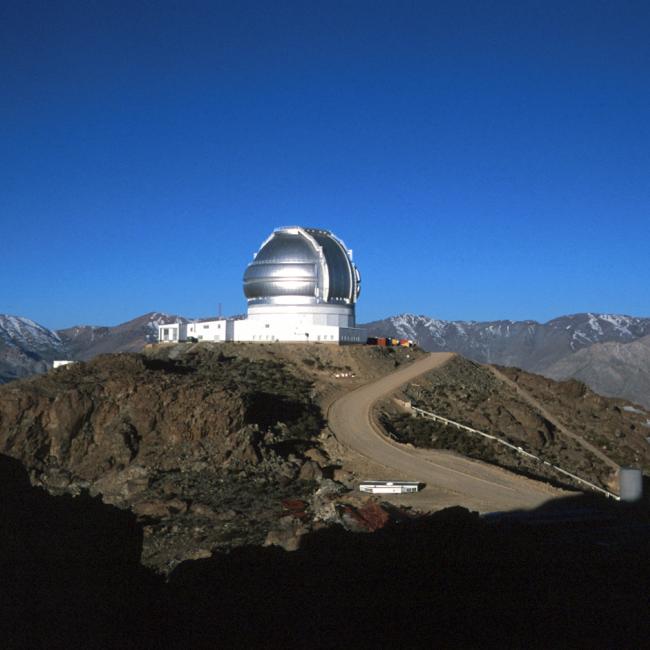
{"x":484,"y":160}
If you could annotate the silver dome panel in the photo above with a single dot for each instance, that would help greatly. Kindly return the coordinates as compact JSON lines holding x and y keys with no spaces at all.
{"x":338,"y":264}
{"x":301,"y":265}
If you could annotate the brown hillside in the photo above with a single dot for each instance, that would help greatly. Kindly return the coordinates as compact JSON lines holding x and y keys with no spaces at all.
{"x":472,"y":394}
{"x":203,"y":442}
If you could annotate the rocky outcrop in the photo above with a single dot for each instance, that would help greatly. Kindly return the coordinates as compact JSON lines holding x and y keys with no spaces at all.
{"x":202,"y":447}
{"x":103,"y":416}
{"x":97,"y":418}
{"x":368,"y":518}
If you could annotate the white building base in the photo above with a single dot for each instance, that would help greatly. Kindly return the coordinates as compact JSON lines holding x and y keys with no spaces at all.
{"x":260,"y":330}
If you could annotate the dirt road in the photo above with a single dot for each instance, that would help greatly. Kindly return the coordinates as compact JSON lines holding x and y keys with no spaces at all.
{"x":466,"y":482}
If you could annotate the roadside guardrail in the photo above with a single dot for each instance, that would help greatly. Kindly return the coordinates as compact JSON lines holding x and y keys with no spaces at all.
{"x":438,"y":418}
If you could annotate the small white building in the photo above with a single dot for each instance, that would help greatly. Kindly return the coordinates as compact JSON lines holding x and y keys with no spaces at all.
{"x":59,"y":363}
{"x":215,"y":330}
{"x":172,"y":333}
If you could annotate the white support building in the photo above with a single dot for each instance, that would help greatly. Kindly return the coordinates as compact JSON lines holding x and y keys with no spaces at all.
{"x":216,"y":330}
{"x":172,"y":333}
{"x":60,"y":363}
{"x":302,"y":286}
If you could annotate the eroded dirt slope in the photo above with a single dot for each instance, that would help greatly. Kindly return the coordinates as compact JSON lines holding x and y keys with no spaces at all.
{"x":471,"y":394}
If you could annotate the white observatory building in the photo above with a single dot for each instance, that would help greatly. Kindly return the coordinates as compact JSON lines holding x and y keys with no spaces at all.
{"x":302,"y":286}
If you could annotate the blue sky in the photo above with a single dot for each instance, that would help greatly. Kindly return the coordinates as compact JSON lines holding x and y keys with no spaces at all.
{"x":484,"y":160}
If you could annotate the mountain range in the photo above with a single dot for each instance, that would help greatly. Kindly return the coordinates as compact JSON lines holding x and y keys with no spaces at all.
{"x":27,"y":348}
{"x":609,"y":352}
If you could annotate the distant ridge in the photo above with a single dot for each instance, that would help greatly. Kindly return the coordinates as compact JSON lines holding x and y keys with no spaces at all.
{"x":27,"y":348}
{"x":606,"y":351}
{"x":544,"y":348}
{"x":610,"y":368}
{"x":84,"y":342}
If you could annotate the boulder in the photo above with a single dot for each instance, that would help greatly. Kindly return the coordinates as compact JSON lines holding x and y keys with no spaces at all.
{"x":152,"y":508}
{"x":56,"y":479}
{"x":198,"y":554}
{"x":287,"y":471}
{"x":158,"y":508}
{"x":118,"y":487}
{"x":250,"y":454}
{"x":343,"y":476}
{"x":287,"y":535}
{"x":296,"y":508}
{"x":203,"y":510}
{"x":310,"y":471}
{"x":318,"y":456}
{"x":366,"y":519}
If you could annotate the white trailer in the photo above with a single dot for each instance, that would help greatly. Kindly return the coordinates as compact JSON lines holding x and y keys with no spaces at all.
{"x":389,"y":487}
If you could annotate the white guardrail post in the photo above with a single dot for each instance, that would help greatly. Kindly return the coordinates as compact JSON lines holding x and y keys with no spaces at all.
{"x":519,"y":450}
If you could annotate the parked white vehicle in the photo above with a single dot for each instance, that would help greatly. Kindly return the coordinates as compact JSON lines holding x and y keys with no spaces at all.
{"x":389,"y":487}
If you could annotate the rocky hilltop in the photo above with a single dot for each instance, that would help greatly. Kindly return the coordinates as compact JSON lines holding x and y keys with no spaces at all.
{"x":219,"y":446}
{"x":210,"y":446}
{"x":205,"y":463}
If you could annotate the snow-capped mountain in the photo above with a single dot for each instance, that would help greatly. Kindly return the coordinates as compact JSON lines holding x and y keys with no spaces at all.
{"x":25,"y":333}
{"x":26,"y":347}
{"x":86,"y":341}
{"x":527,"y":344}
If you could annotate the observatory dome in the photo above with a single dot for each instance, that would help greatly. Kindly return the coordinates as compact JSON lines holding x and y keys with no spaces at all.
{"x":302,"y":266}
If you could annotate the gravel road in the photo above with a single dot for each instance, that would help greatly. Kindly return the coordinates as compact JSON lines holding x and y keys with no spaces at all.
{"x":466,"y":482}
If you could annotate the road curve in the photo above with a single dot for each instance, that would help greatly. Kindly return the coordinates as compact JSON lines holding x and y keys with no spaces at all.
{"x":472,"y":484}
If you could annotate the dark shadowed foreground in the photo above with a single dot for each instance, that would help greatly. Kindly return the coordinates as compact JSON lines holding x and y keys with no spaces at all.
{"x":574,"y":572}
